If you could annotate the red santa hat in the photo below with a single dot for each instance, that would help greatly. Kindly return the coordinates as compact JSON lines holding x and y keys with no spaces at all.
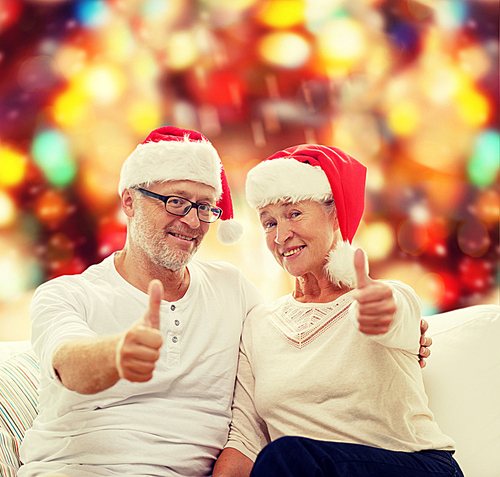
{"x":316,"y":172}
{"x":174,"y":154}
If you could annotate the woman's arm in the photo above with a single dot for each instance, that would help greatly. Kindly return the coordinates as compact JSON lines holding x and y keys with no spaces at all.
{"x":425,"y":342}
{"x":386,"y":311}
{"x":232,"y":463}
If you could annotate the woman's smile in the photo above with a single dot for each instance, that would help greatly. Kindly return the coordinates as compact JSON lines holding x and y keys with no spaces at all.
{"x":292,"y":252}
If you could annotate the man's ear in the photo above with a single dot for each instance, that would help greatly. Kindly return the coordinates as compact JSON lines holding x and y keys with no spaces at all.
{"x":127,"y":202}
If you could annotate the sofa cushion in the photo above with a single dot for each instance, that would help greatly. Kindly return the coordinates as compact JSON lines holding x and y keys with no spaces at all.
{"x":19,"y":382}
{"x":463,"y":385}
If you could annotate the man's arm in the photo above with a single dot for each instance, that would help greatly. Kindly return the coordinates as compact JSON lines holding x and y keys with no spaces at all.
{"x":232,"y":463}
{"x":89,"y":366}
{"x":425,"y":342}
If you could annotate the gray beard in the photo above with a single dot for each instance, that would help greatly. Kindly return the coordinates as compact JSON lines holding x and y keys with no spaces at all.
{"x":152,"y":243}
{"x":170,"y":259}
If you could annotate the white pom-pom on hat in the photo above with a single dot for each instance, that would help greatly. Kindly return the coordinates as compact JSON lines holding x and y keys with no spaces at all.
{"x":340,"y":265}
{"x":229,"y":232}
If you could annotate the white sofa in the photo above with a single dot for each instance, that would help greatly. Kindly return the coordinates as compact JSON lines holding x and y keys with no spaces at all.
{"x":462,"y":379}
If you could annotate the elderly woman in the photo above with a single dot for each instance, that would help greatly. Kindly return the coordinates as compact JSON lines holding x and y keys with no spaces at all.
{"x":328,"y":380}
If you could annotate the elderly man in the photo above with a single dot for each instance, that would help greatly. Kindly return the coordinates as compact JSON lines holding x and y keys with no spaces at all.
{"x":138,"y":354}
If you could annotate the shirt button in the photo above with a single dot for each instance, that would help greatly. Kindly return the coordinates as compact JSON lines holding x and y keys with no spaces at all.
{"x":175,"y":339}
{"x":177,"y":322}
{"x":172,"y":307}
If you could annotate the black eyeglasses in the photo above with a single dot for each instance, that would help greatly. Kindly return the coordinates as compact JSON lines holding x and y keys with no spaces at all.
{"x":179,"y":206}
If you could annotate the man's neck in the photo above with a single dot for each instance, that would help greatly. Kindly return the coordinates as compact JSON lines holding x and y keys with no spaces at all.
{"x":139,"y":271}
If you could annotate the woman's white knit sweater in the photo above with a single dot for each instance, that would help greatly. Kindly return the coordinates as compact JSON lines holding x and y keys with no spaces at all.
{"x":306,"y":370}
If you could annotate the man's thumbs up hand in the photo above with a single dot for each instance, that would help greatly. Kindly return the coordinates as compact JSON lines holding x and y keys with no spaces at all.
{"x":376,"y":304}
{"x":151,"y":318}
{"x":139,"y":347}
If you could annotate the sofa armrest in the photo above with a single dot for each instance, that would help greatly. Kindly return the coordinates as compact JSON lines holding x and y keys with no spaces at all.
{"x":9,"y":349}
{"x":462,"y":381}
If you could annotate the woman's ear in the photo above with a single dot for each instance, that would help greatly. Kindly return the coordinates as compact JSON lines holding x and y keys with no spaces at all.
{"x":336,"y":223}
{"x":127,"y":202}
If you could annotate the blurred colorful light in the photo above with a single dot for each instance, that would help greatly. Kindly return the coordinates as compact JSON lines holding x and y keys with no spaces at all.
{"x":111,"y":243}
{"x":288,"y":50}
{"x":404,"y":118}
{"x":182,"y":50}
{"x":119,"y":41}
{"x":144,"y":71}
{"x":223,"y":5}
{"x":37,"y":73}
{"x":411,"y":274}
{"x":405,"y":36}
{"x":442,"y":141}
{"x":484,"y":164}
{"x":473,"y":107}
{"x":359,"y":133}
{"x":451,"y":289}
{"x":223,"y":88}
{"x":283,"y":13}
{"x":19,"y":271}
{"x":154,"y":8}
{"x":143,"y":116}
{"x":476,"y":274}
{"x":11,"y":276}
{"x":412,"y":237}
{"x":474,"y":61}
{"x":375,"y":180}
{"x":10,"y":11}
{"x":104,"y":83}
{"x":74,"y":266}
{"x":99,"y":187}
{"x":12,"y":167}
{"x":473,"y":238}
{"x":50,"y":150}
{"x":92,"y":13}
{"x":377,"y":240}
{"x":430,"y":288}
{"x":7,"y":210}
{"x":419,"y":214}
{"x":108,"y":144}
{"x":51,"y":208}
{"x":488,"y":206}
{"x":444,"y":192}
{"x":60,"y":250}
{"x":70,"y":60}
{"x":450,"y":14}
{"x":71,"y":108}
{"x":341,"y":43}
{"x":441,"y":82}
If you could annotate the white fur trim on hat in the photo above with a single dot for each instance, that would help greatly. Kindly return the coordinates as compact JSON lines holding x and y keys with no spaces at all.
{"x":271,"y":181}
{"x":340,"y":266}
{"x":163,"y":161}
